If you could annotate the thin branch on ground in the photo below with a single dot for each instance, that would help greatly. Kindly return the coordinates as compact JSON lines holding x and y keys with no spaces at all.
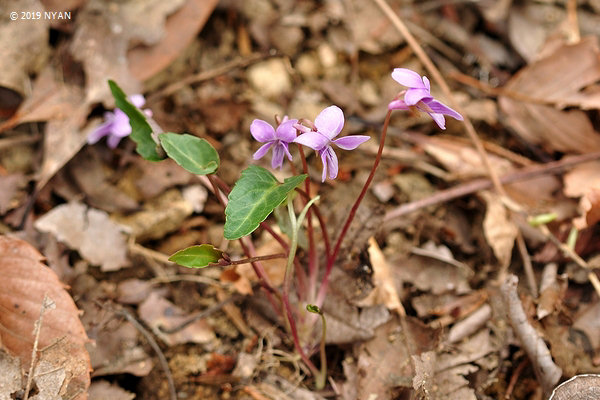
{"x":524,"y":174}
{"x":209,"y":74}
{"x":547,"y":372}
{"x":161,"y":357}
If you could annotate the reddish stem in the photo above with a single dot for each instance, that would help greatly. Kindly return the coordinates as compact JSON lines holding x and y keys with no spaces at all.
{"x":256,"y":266}
{"x":332,"y":258}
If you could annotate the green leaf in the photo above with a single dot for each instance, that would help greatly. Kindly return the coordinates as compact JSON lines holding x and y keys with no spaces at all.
{"x":253,"y":198}
{"x":192,"y":153}
{"x":141,"y":132}
{"x":197,"y":256}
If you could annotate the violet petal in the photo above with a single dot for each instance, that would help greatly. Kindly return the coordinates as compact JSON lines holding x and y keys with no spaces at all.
{"x":438,"y":118}
{"x":408,"y":78}
{"x":137,"y":100}
{"x":286,"y":131}
{"x":330,"y":121}
{"x":413,"y":96}
{"x":323,"y":155}
{"x":278,"y":153}
{"x":351,"y":142}
{"x":314,"y":140}
{"x":441,"y":108}
{"x":98,"y":133}
{"x":332,"y":162}
{"x":262,"y":150}
{"x":113,"y":141}
{"x":121,"y":126}
{"x":262,"y":131}
{"x":398,"y":105}
{"x":286,"y":149}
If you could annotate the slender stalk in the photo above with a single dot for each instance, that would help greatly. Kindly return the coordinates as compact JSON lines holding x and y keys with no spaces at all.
{"x":332,"y":258}
{"x":320,"y":379}
{"x":289,"y":273}
{"x":313,"y":267}
{"x":321,"y":220}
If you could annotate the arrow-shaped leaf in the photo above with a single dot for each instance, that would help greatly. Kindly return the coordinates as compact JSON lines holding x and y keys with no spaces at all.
{"x":193,"y":153}
{"x":141,"y":132}
{"x":254,"y":196}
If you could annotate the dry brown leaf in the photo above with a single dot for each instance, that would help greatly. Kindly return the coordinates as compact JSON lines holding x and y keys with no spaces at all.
{"x":105,"y":31}
{"x":431,"y":275}
{"x":441,"y":385}
{"x":588,"y":321}
{"x":151,"y":179}
{"x":383,"y":279}
{"x":158,"y":312}
{"x":462,"y":159}
{"x":159,"y":216}
{"x":11,"y":375}
{"x":117,"y":350}
{"x":89,"y":231}
{"x":567,"y":78}
{"x":61,"y":5}
{"x":24,"y":44}
{"x":583,"y":181}
{"x":10,"y":187}
{"x":93,"y":179}
{"x":26,"y":281}
{"x":551,"y":291}
{"x":102,"y":390}
{"x":371,"y":30}
{"x":346,"y":323}
{"x":64,"y":107}
{"x":180,"y":30}
{"x":499,"y":229}
{"x":384,"y":362}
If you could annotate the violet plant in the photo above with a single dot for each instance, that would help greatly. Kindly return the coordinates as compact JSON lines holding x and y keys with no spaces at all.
{"x":257,"y":193}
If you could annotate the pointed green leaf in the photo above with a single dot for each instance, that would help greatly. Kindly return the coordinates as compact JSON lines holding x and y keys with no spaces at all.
{"x":253,"y":198}
{"x":141,"y":132}
{"x":192,"y":153}
{"x":197,"y":256}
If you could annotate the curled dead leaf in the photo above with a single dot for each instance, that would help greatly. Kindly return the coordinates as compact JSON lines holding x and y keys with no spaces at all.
{"x":25,"y":283}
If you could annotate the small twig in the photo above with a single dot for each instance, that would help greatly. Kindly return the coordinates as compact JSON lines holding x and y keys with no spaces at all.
{"x":527,"y":266}
{"x":546,"y":370}
{"x":12,"y":141}
{"x":210,"y":74}
{"x":249,"y":260}
{"x":570,"y":253}
{"x":514,"y":378}
{"x":574,"y":34}
{"x":161,"y":357}
{"x":47,"y":303}
{"x":464,"y":189}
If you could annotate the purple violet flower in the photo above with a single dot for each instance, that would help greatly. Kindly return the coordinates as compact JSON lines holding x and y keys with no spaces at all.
{"x":329,"y":124}
{"x":116,"y":125}
{"x":278,"y":139}
{"x":418,"y":96}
